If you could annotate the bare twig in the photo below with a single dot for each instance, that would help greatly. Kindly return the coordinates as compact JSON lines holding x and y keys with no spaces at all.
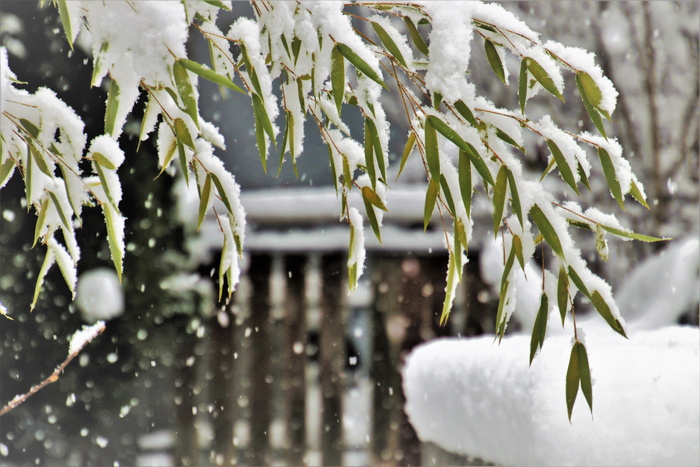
{"x":54,"y":376}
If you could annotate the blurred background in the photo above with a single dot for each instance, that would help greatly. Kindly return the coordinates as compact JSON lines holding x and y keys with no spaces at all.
{"x":293,"y":370}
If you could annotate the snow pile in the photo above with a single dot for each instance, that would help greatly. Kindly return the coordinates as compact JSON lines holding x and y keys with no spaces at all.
{"x":474,"y":397}
{"x":100,"y":295}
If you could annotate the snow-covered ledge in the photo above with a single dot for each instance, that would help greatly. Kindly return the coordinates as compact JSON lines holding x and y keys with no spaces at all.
{"x":478,"y":398}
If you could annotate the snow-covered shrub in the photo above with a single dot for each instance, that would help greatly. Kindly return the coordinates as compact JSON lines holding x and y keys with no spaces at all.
{"x":311,"y":54}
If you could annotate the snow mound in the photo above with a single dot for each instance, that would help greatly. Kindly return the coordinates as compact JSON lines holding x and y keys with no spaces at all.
{"x":474,"y":397}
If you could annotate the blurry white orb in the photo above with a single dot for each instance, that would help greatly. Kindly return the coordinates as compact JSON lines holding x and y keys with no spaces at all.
{"x":99,"y":295}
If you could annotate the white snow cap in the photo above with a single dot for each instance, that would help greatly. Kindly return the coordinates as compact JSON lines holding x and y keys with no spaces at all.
{"x":81,"y":337}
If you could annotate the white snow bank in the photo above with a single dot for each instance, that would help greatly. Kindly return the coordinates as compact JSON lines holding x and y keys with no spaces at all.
{"x":474,"y":397}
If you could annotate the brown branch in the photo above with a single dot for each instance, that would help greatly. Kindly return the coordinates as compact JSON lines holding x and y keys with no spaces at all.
{"x":51,"y":379}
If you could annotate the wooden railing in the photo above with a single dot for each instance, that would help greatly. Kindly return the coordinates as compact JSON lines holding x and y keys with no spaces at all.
{"x":298,"y":371}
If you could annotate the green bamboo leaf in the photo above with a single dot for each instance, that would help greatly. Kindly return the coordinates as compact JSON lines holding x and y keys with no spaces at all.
{"x":209,"y":74}
{"x":168,"y":156}
{"x":542,"y":77}
{"x":415,"y":35}
{"x":464,"y":111}
{"x":573,"y":376}
{"x":601,"y":244}
{"x":611,"y":176}
{"x":449,"y":289}
{"x":430,"y":198}
{"x":113,"y":240}
{"x":583,"y":176}
{"x":337,"y":77}
{"x":590,"y":108}
{"x":546,"y":229}
{"x":522,"y":86}
{"x":505,"y":137}
{"x":217,"y":3}
{"x":347,"y":176}
{"x":590,"y":89}
{"x":499,"y":198}
{"x":584,"y":371}
{"x":501,"y":322}
{"x":102,"y":160}
{"x":508,"y":266}
{"x":29,"y":127}
{"x":261,"y":111}
{"x":61,"y":213}
{"x":204,"y":200}
{"x":39,"y":160}
{"x":563,"y":293}
{"x":260,"y":137}
{"x":578,"y":282}
{"x":221,"y":191}
{"x":461,"y":233}
{"x":377,"y":145}
{"x":437,"y":99}
{"x":634,"y":191}
{"x":112,"y":107}
{"x":185,"y":91}
{"x":494,"y":60}
{"x":518,"y":247}
{"x":65,"y":21}
{"x":98,"y":64}
{"x":6,"y":170}
{"x":369,"y":155}
{"x":183,"y":134}
{"x":184,"y":166}
{"x":374,"y":199}
{"x":105,"y":185}
{"x":515,"y":197}
{"x":445,"y":188}
{"x":360,"y":64}
{"x":539,"y":329}
{"x":564,"y":169}
{"x":432,"y":154}
{"x":371,"y":216}
{"x":604,"y":310}
{"x":45,"y":266}
{"x":632,"y":235}
{"x":389,"y":43}
{"x":464,"y":171}
{"x":41,"y":213}
{"x":410,"y":143}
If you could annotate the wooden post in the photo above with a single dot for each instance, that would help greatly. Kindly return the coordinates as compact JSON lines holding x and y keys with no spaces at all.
{"x":260,"y":351}
{"x":332,"y":359}
{"x":295,"y":358}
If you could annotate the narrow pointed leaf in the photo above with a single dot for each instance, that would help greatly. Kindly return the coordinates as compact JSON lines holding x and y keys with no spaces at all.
{"x":369,"y":155}
{"x":584,"y":371}
{"x":632,"y":235}
{"x":563,"y":293}
{"x":377,"y":146}
{"x":542,"y":77}
{"x":583,"y":176}
{"x":374,"y":199}
{"x":415,"y":35}
{"x":372,"y":218}
{"x":113,"y":240}
{"x":430,"y":198}
{"x":499,"y":199}
{"x":494,"y":60}
{"x":604,"y":310}
{"x":464,"y":111}
{"x":590,"y":108}
{"x":432,"y":154}
{"x":410,"y":143}
{"x":522,"y":86}
{"x":260,"y":139}
{"x":112,"y":107}
{"x":464,"y":170}
{"x":573,"y":377}
{"x":98,"y":64}
{"x":29,"y":127}
{"x":6,"y":170}
{"x":539,"y":329}
{"x":102,"y":160}
{"x":61,"y":214}
{"x":449,"y":289}
{"x":389,"y":43}
{"x":185,"y":91}
{"x":546,"y":229}
{"x":105,"y":185}
{"x":501,"y":322}
{"x":66,"y":21}
{"x":338,"y":77}
{"x":204,"y":200}
{"x":518,"y":247}
{"x":40,"y":220}
{"x":184,"y":166}
{"x":564,"y":169}
{"x":634,"y":191}
{"x":221,"y":191}
{"x":360,"y":64}
{"x":590,"y":89}
{"x":39,"y":160}
{"x":578,"y":282}
{"x":445,"y":188}
{"x":45,"y":266}
{"x":209,"y":74}
{"x":505,"y":137}
{"x":260,"y":109}
{"x":611,"y":176}
{"x":515,"y":197}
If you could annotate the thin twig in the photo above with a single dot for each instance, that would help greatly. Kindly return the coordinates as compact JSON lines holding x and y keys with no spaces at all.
{"x":51,"y":379}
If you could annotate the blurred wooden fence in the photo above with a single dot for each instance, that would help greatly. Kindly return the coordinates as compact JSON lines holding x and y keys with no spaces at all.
{"x":297,"y":371}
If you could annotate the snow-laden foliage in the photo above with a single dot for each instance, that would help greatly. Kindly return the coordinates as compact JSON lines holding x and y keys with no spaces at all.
{"x":311,"y":60}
